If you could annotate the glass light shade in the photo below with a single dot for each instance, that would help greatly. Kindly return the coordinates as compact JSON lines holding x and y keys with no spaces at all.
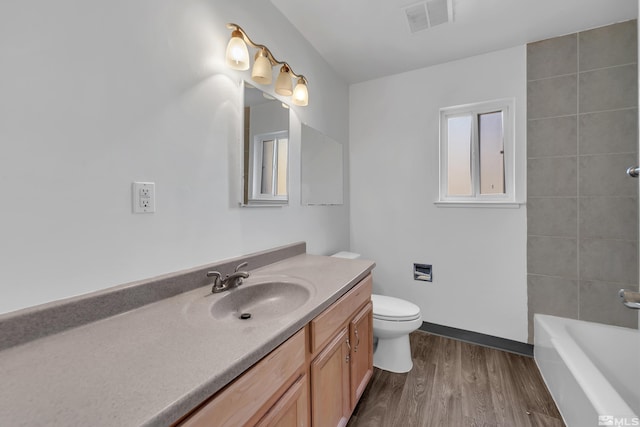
{"x":301,"y":93}
{"x":283,"y":82}
{"x":237,"y":54}
{"x":261,"y":72}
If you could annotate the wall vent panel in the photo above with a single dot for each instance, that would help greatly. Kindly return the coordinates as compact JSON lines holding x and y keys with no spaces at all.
{"x":424,"y":15}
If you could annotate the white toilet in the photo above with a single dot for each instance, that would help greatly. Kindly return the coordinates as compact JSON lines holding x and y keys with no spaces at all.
{"x":393,"y":320}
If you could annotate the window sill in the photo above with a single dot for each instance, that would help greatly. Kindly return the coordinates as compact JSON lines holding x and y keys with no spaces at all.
{"x":478,"y":204}
{"x":264,"y":204}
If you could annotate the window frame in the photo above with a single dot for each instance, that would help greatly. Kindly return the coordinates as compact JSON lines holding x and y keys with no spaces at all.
{"x":506,"y":199}
{"x":255,"y":172}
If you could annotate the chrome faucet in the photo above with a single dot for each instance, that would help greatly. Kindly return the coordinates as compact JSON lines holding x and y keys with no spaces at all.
{"x":630,"y":298}
{"x":230,"y":281}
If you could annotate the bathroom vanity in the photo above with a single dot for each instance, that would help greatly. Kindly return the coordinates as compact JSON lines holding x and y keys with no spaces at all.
{"x":319,"y":373}
{"x":166,"y":351}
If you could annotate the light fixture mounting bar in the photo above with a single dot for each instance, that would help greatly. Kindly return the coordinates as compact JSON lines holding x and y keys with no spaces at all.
{"x":270,"y":56}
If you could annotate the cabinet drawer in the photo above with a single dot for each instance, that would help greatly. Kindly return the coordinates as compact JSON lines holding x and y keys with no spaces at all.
{"x":247,"y":398}
{"x":327,"y":323}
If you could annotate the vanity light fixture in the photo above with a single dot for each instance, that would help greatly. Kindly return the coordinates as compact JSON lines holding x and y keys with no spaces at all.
{"x":237,"y":57}
{"x":283,"y":82}
{"x":261,"y":72}
{"x":301,"y":93}
{"x":237,"y":53}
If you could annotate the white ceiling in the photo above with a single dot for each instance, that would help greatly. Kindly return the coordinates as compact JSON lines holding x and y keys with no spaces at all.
{"x":366,"y":39}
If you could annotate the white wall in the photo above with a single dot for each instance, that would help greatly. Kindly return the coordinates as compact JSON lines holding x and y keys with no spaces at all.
{"x":478,"y":254}
{"x":97,"y":94}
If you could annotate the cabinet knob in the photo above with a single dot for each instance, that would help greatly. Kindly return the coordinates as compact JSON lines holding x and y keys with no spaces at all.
{"x":357,"y":340}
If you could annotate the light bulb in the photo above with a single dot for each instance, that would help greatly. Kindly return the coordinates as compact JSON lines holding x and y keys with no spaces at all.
{"x":283,"y":82}
{"x":301,"y":93}
{"x":261,"y":72}
{"x":237,"y":54}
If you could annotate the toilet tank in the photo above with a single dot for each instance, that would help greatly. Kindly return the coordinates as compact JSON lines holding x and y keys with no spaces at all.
{"x":347,"y":255}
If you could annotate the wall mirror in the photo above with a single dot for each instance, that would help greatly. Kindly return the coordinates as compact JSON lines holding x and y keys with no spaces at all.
{"x":321,"y":169}
{"x":266,"y":149}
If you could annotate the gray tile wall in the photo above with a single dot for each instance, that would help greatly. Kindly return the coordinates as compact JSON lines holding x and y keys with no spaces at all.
{"x":582,"y":215}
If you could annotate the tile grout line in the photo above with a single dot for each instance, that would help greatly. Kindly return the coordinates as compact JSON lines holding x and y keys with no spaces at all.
{"x":594,"y":196}
{"x":578,"y":72}
{"x":569,"y":156}
{"x":610,"y":110}
{"x":610,"y":239}
{"x":612,"y":282}
{"x":578,"y":171}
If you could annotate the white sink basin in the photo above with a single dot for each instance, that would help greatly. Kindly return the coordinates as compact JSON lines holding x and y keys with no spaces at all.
{"x":263,"y":300}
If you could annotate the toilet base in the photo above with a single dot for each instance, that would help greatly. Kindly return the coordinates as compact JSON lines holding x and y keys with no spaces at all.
{"x":393,"y":354}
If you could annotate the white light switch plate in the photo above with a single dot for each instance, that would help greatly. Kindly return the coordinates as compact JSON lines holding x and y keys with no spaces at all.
{"x":144,"y":197}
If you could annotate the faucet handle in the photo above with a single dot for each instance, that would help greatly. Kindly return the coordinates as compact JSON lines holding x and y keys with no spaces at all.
{"x":244,"y":264}
{"x":214,"y":273}
{"x":218,"y":284}
{"x":630,"y":298}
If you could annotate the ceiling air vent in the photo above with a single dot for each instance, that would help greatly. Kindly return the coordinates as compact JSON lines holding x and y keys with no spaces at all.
{"x":421,"y":16}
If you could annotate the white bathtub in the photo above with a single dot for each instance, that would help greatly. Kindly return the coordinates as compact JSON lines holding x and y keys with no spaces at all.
{"x":592,"y":370}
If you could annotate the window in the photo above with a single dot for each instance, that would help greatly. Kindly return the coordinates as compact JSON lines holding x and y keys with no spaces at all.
{"x":476,"y":153}
{"x":268,"y":176}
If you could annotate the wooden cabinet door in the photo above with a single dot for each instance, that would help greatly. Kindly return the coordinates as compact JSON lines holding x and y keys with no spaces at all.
{"x":330,"y":397}
{"x":291,"y":410}
{"x":361,"y":338}
{"x":337,"y":315}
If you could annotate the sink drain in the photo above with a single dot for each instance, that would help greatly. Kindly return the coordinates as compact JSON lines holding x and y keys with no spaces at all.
{"x":245,"y":316}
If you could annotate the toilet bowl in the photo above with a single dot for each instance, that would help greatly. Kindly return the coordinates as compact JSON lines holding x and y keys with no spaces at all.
{"x":393,"y":320}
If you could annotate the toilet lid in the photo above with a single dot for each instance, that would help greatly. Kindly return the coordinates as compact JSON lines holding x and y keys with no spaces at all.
{"x":394,"y":309}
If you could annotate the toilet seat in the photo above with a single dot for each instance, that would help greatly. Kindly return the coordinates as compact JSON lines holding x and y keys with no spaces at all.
{"x":396,"y":318}
{"x":394,"y":309}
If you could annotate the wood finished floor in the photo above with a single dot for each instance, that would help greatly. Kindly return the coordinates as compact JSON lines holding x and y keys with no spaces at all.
{"x":456,"y":384}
